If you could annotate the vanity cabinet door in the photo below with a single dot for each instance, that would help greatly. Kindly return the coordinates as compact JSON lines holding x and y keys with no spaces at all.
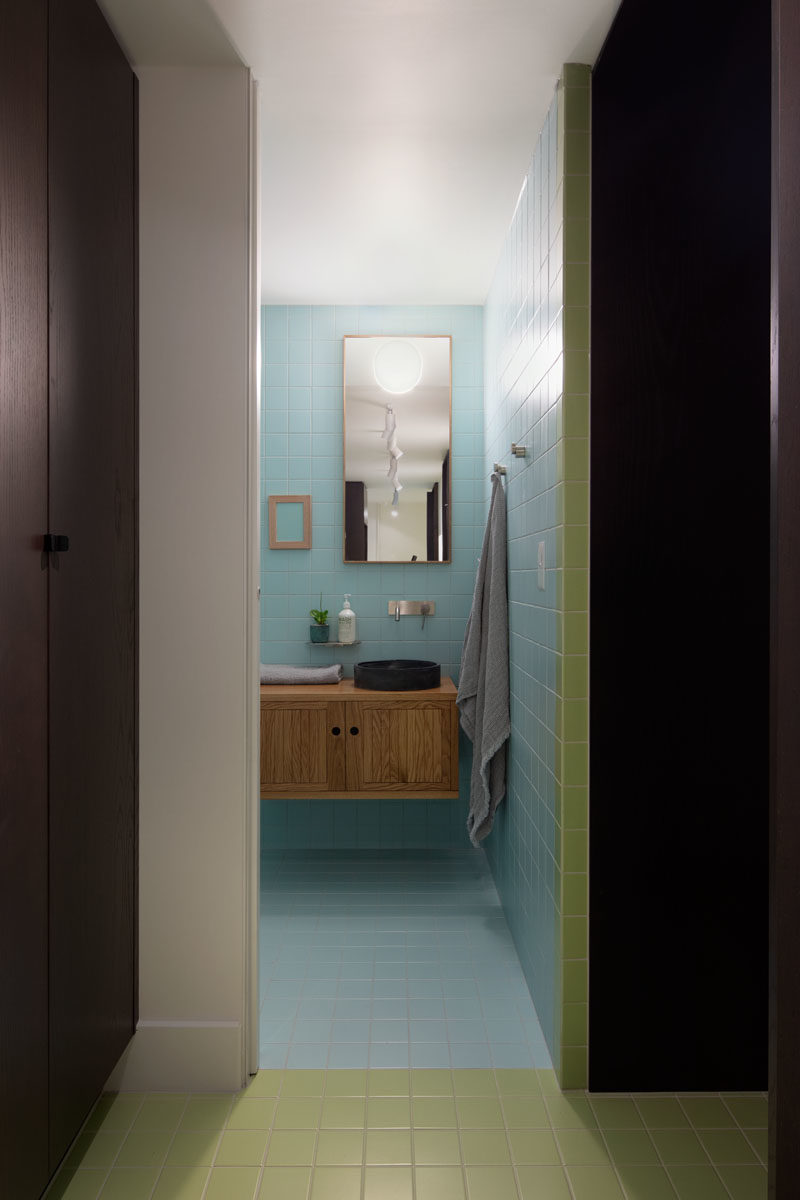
{"x":408,"y":746}
{"x":302,"y":746}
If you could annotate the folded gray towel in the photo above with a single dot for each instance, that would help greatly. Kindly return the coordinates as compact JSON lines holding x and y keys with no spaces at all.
{"x":483,"y":686}
{"x":279,"y":673}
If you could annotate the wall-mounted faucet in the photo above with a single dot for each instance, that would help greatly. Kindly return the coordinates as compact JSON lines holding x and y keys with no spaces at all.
{"x":412,"y":608}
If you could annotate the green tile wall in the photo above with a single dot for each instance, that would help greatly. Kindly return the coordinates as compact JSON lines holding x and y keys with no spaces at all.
{"x":572,"y":708}
{"x":536,"y":392}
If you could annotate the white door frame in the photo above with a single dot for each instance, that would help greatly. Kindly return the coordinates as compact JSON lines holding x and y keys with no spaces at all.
{"x":250,"y":1040}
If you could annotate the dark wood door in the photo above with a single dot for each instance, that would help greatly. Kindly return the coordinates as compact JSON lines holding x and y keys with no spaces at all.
{"x":23,"y":599}
{"x":679,"y":547}
{"x":93,"y":468}
{"x":784,"y":1072}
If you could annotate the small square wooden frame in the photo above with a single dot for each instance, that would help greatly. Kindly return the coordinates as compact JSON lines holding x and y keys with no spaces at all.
{"x":272,"y":505}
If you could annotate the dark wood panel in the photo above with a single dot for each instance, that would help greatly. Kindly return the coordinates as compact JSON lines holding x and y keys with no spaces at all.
{"x":355,"y":527}
{"x":23,"y":599}
{"x":446,"y":508}
{"x":93,"y":435}
{"x":679,"y":547}
{"x":432,"y":523}
{"x":784,"y":1086}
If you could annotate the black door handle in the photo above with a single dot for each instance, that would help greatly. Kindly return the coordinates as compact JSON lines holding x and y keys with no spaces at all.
{"x":55,"y":543}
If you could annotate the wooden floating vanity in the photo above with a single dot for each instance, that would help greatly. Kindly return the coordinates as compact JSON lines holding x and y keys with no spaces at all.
{"x":346,"y":743}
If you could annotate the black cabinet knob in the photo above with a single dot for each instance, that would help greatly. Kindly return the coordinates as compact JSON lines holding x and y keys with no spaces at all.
{"x":55,"y":542}
{"x":336,"y":731}
{"x":354,"y":729}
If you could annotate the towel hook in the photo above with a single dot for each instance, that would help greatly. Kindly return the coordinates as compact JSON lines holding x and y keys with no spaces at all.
{"x":518,"y":451}
{"x":499,"y":470}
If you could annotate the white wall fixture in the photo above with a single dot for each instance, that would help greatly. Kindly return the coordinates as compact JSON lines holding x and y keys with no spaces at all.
{"x":397,"y":366}
{"x":390,"y":433}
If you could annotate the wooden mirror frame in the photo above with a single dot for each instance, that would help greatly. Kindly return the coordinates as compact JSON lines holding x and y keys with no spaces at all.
{"x":272,"y":508}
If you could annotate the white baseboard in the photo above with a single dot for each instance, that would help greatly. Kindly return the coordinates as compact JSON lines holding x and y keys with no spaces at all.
{"x":183,"y":1056}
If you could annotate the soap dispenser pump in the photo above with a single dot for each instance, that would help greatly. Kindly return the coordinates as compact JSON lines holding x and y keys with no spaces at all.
{"x":347,"y":622}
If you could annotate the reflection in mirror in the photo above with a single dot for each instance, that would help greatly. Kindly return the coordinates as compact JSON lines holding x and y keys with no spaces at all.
{"x":397,"y":393}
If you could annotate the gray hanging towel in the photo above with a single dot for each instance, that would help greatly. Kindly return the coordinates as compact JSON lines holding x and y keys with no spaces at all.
{"x":483,"y":688}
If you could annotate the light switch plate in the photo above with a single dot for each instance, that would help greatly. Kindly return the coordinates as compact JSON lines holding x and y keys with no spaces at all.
{"x":540,"y":579}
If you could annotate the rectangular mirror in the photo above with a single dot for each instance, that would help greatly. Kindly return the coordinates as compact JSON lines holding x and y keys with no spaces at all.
{"x":397,"y":426}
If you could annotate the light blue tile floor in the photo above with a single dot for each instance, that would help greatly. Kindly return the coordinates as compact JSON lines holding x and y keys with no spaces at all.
{"x":381,"y":958}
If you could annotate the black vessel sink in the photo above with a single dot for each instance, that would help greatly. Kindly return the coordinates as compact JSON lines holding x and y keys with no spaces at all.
{"x":397,"y":674}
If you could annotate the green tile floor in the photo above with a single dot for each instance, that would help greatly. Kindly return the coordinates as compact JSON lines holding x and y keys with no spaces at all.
{"x":418,"y":1135}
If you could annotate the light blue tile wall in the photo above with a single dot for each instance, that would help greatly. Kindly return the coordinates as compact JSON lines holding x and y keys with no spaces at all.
{"x":301,"y":453}
{"x":523,"y":356}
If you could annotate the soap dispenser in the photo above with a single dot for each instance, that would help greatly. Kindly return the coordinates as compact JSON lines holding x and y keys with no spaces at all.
{"x":347,"y":622}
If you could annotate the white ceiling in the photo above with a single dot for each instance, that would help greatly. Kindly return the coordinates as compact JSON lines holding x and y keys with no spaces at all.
{"x":395,"y":133}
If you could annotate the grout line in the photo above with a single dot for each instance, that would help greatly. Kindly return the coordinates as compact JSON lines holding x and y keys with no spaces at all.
{"x":464,"y":1177}
{"x":411,"y":1132}
{"x":148,"y":1096}
{"x":83,"y":1130}
{"x":559,"y":1151}
{"x":663,"y":1165}
{"x":711,"y":1096}
{"x":645,"y":1128}
{"x":220,"y":1132}
{"x":747,"y":1131}
{"x":666,"y":1166}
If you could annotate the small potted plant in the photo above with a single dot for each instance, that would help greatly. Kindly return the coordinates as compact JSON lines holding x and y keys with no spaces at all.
{"x":319,"y":630}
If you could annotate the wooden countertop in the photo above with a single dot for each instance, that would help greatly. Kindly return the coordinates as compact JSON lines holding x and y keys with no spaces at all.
{"x":346,"y":690}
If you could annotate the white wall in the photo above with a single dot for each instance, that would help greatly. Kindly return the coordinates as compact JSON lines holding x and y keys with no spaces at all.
{"x":396,"y":539}
{"x":196,"y":682}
